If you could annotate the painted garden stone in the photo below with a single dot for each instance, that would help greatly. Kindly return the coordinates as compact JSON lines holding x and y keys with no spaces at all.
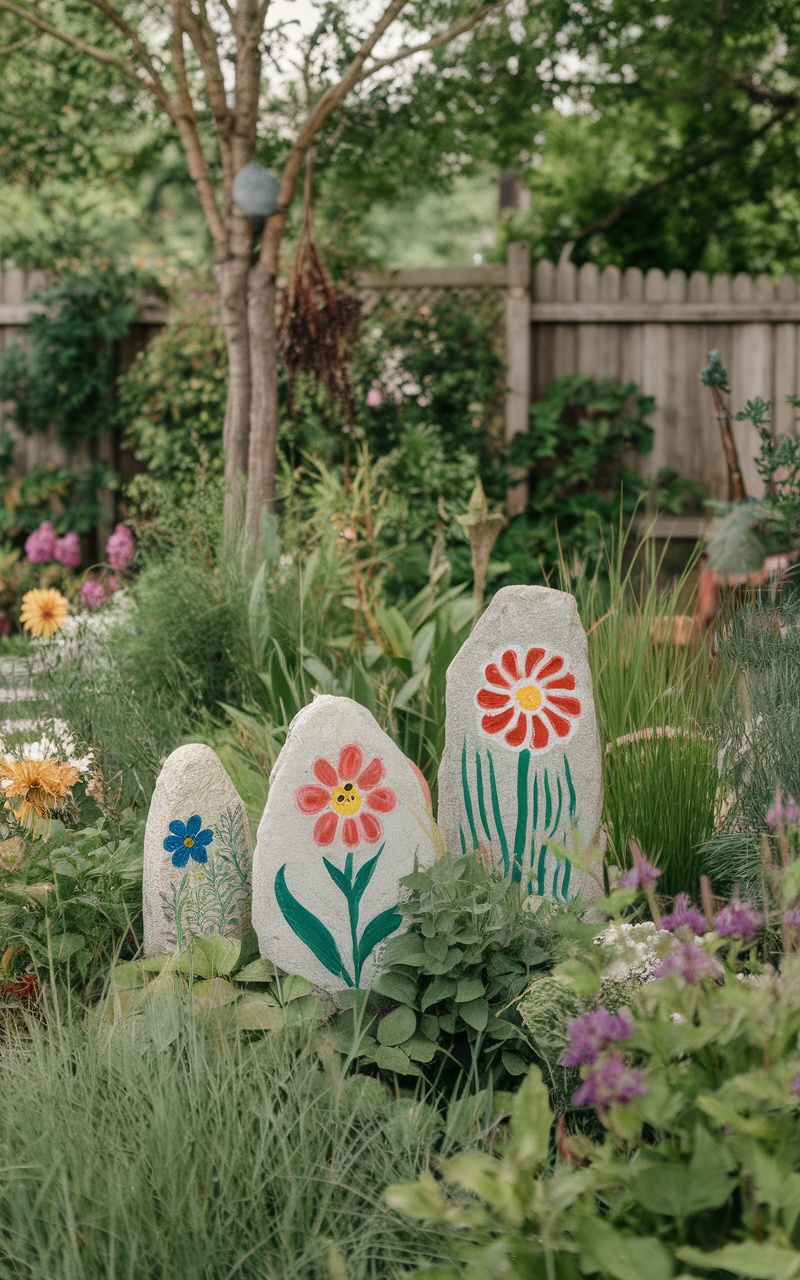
{"x":197,"y":854}
{"x":521,"y":769}
{"x":345,"y":819}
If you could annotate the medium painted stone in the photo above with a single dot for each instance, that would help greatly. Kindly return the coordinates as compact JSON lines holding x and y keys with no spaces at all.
{"x":197,"y":854}
{"x":345,"y":820}
{"x":522,"y":765}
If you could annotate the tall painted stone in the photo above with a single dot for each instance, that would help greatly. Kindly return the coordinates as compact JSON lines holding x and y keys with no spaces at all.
{"x":197,"y":854}
{"x":521,"y":769}
{"x":346,"y":818}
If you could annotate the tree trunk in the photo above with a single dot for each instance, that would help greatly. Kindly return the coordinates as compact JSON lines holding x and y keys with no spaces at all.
{"x":262,"y":458}
{"x":232,"y":277}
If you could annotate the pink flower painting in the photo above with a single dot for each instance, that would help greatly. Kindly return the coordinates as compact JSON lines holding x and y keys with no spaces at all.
{"x":349,"y":793}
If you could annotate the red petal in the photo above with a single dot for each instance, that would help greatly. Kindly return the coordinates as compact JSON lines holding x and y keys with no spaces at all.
{"x":325,"y":773}
{"x":311,"y":799}
{"x":370,"y":827}
{"x":560,"y":725}
{"x":371,"y":775}
{"x":493,"y":724}
{"x":532,"y":659}
{"x":550,"y":668}
{"x":489,"y":700}
{"x":570,"y":706}
{"x":351,"y":834}
{"x":350,"y":762}
{"x":495,"y":676}
{"x":382,"y":800}
{"x":567,"y":681}
{"x":516,"y":736}
{"x":541,"y":735}
{"x":325,"y":828}
{"x":509,"y":661}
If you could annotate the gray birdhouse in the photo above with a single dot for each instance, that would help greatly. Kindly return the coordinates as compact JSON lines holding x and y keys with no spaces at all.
{"x":255,"y":191}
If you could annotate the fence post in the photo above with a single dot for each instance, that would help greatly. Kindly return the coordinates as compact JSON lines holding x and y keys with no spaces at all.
{"x":518,"y":363}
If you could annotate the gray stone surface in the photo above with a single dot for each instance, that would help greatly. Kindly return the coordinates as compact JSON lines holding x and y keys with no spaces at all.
{"x":522,"y":765}
{"x":197,"y":854}
{"x":345,"y":819}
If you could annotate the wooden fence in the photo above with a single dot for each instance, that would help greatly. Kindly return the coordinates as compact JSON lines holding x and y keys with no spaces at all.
{"x":646,"y":327}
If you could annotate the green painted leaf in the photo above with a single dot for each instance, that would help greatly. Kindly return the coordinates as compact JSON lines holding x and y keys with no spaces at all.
{"x":365,"y":875}
{"x":338,"y":877}
{"x":470,"y":989}
{"x":397,"y":986}
{"x":378,"y":928}
{"x":309,"y":929}
{"x":475,"y":1013}
{"x":397,"y":1026}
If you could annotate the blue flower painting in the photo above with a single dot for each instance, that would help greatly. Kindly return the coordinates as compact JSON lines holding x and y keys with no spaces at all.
{"x":188,"y":841}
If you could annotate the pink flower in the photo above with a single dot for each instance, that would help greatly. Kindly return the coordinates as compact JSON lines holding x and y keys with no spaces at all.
{"x":374,"y":397}
{"x":740,"y":918}
{"x":40,"y":546}
{"x":684,"y":915}
{"x":642,"y":875}
{"x":92,"y":594}
{"x":349,"y":792}
{"x":112,"y":583}
{"x":690,"y":962}
{"x":611,"y":1081}
{"x":120,"y":548}
{"x":68,"y":550}
{"x":592,"y":1033}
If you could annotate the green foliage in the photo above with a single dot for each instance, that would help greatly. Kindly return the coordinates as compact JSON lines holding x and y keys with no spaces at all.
{"x":66,"y":377}
{"x":450,"y":984}
{"x":579,"y":476}
{"x":150,"y":1141}
{"x":68,"y":498}
{"x":701,"y":1173}
{"x":70,"y":903}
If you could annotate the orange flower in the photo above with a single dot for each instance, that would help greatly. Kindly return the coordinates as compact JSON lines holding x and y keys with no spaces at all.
{"x":41,"y":785}
{"x":44,"y":612}
{"x":530,"y":698}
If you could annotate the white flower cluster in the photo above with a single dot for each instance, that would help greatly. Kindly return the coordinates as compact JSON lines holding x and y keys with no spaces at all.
{"x":632,"y":951}
{"x":41,"y":740}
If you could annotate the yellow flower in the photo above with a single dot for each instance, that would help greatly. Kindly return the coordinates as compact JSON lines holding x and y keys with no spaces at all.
{"x":43,"y":612}
{"x":41,"y":785}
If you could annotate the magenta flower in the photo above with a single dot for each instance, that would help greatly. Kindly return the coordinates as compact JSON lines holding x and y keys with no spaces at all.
{"x":792,"y":918}
{"x":783,"y":815}
{"x":684,"y":915}
{"x":688,"y":961}
{"x":374,"y":397}
{"x":740,"y":918}
{"x":642,"y":875}
{"x":120,"y":548}
{"x":68,"y":550}
{"x":40,"y":546}
{"x":92,"y":594}
{"x":796,"y":1087}
{"x":611,"y":1081}
{"x":592,"y":1033}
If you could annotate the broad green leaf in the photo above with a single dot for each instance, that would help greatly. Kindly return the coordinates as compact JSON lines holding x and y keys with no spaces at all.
{"x":262,"y":970}
{"x":749,"y":1259}
{"x":475,"y":1013}
{"x":407,"y":949}
{"x":293,"y":988}
{"x":259,"y":1013}
{"x":64,"y":945}
{"x":420,"y":1048}
{"x":211,"y":993}
{"x":514,"y":1063}
{"x":470,"y":989}
{"x":303,"y":1011}
{"x":397,"y":986}
{"x":421,"y":1200}
{"x":532,"y":1121}
{"x":392,"y":1059}
{"x":397,"y":1026}
{"x":678,"y":1189}
{"x":622,"y":1257}
{"x":128,"y":975}
{"x":441,"y":988}
{"x":221,"y":953}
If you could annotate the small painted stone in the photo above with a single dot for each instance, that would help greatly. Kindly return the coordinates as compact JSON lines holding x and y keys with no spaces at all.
{"x":197,"y":854}
{"x":346,"y":818}
{"x":521,"y":772}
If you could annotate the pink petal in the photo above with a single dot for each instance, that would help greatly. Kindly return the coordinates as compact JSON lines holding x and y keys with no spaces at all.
{"x":311,"y":799}
{"x":351,"y":834}
{"x":382,"y":800}
{"x":371,"y":828}
{"x":325,"y":828}
{"x":325,"y":773}
{"x":372,"y":775}
{"x":350,"y":762}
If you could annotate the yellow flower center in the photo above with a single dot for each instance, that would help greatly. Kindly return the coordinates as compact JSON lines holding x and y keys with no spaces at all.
{"x":346,"y":799}
{"x":189,"y":842}
{"x":529,"y":697}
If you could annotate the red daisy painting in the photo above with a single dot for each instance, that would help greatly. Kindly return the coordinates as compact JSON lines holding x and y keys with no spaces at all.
{"x":349,"y":793}
{"x":529,"y":698}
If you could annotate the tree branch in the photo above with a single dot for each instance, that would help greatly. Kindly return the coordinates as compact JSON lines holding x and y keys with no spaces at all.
{"x":137,"y":44}
{"x":675,"y":175}
{"x":19,"y":44}
{"x":186,"y":122}
{"x":444,"y":37}
{"x":83,"y":46}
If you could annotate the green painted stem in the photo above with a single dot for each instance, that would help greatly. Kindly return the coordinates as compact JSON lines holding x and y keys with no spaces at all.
{"x":523,"y":765}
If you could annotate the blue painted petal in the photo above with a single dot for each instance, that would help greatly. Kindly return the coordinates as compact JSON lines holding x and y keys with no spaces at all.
{"x":193,"y":825}
{"x":173,"y":843}
{"x":198,"y":853}
{"x":204,"y":837}
{"x":178,"y":828}
{"x":180,"y":857}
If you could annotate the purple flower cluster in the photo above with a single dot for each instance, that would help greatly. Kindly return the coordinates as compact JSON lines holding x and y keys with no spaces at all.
{"x":688,"y":961}
{"x":43,"y":546}
{"x":93,"y":593}
{"x":611,"y":1081}
{"x":796,"y":1087}
{"x":642,"y":875}
{"x":792,"y":918}
{"x":739,"y":918}
{"x":592,"y":1033}
{"x":783,"y":815}
{"x":120,"y":548}
{"x":684,"y":915}
{"x":68,"y":550}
